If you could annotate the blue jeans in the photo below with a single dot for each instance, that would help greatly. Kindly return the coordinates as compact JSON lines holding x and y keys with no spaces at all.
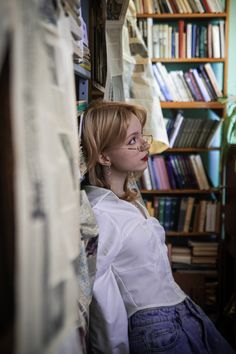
{"x":179,"y":329}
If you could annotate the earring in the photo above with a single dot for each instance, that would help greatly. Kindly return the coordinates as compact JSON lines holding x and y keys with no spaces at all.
{"x":108,"y":170}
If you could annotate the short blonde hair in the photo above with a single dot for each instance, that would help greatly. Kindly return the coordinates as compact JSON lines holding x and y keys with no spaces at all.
{"x":104,"y":126}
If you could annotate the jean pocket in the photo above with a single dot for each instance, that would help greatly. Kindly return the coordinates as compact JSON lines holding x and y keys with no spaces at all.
{"x":161,"y":336}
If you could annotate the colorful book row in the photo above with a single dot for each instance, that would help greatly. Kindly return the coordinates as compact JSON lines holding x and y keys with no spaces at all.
{"x":191,"y":132}
{"x":178,"y":6}
{"x":197,"y":84}
{"x":184,"y":40}
{"x":175,"y":172}
{"x":186,"y":214}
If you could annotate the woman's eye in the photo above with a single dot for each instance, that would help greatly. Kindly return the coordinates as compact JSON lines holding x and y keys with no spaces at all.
{"x":132,"y":141}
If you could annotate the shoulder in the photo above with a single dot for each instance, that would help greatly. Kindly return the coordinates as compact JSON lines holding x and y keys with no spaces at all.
{"x":108,"y":208}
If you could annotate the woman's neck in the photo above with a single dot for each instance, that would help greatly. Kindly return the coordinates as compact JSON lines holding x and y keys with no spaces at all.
{"x":116,"y":181}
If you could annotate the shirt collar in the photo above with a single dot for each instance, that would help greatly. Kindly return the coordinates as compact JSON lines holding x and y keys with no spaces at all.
{"x":97,"y":194}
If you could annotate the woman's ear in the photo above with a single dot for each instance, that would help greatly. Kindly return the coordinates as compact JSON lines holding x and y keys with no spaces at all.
{"x":104,"y":159}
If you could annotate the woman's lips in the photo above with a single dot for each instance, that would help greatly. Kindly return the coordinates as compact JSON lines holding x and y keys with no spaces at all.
{"x":145,"y":158}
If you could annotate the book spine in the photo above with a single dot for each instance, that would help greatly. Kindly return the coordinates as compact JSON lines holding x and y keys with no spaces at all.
{"x":212,"y":79}
{"x":201,"y":87}
{"x":181,"y":39}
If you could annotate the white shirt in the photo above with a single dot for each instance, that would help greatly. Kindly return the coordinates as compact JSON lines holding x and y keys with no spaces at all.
{"x":133,"y":270}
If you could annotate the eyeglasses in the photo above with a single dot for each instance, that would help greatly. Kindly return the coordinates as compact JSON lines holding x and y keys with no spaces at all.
{"x":148,"y":139}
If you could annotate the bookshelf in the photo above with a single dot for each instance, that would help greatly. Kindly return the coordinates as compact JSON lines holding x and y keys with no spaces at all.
{"x":209,"y":109}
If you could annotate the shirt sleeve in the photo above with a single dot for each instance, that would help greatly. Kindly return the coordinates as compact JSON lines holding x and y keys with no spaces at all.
{"x":108,"y":320}
{"x":108,"y":317}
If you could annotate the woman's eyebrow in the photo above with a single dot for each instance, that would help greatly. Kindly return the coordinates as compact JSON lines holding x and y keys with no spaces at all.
{"x":134,"y":133}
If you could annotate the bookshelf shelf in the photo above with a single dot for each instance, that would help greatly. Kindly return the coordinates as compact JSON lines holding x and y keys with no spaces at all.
{"x":181,"y":191}
{"x":187,"y":60}
{"x":181,"y":16}
{"x":192,"y":105}
{"x":189,"y":234}
{"x":191,"y":150}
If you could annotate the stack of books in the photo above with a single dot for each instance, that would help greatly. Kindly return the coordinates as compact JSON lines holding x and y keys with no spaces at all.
{"x":79,"y":34}
{"x":180,"y":255}
{"x":204,"y":252}
{"x":195,"y":253}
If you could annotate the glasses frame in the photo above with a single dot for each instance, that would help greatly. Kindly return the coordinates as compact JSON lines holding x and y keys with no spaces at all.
{"x":141,"y":148}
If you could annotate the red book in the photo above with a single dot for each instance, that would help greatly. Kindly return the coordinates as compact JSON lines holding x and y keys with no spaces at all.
{"x":206,"y":5}
{"x":174,"y":6}
{"x":181,"y":39}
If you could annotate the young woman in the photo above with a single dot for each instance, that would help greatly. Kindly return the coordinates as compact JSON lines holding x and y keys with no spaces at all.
{"x":137,"y":307}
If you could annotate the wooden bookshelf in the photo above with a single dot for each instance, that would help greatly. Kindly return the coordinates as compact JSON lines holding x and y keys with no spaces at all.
{"x":204,"y":109}
{"x":188,"y":60}
{"x":181,"y":191}
{"x":170,"y":17}
{"x":193,"y":105}
{"x":192,"y":150}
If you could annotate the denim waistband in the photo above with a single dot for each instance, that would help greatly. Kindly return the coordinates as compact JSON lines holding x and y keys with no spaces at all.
{"x":159,"y":314}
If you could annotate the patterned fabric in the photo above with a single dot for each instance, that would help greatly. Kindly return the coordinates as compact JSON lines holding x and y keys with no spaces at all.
{"x":86,"y":265}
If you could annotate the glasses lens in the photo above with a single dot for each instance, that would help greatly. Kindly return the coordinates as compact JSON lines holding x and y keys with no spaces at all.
{"x":148,"y":138}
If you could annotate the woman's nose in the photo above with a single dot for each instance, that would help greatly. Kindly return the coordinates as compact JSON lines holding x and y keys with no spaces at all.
{"x":145,"y":146}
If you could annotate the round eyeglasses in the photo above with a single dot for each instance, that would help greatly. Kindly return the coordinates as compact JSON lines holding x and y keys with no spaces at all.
{"x":147,"y":141}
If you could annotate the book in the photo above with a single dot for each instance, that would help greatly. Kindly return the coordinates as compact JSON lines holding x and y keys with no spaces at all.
{"x":201,"y":171}
{"x":216,"y":41}
{"x":149,"y":37}
{"x":163,"y":87}
{"x":203,"y":244}
{"x":170,"y":173}
{"x":202,"y":216}
{"x":181,"y":39}
{"x":155,"y":41}
{"x":209,"y":40}
{"x":222,"y":38}
{"x":193,"y":6}
{"x":189,"y":40}
{"x":147,"y":6}
{"x":196,"y":172}
{"x":181,"y":258}
{"x":203,"y":260}
{"x":200,"y":85}
{"x":181,"y":250}
{"x":178,"y":120}
{"x":146,"y":179}
{"x":152,"y":174}
{"x":182,"y":213}
{"x":193,"y":86}
{"x":207,"y":81}
{"x":212,"y":133}
{"x":167,"y":214}
{"x":199,"y":6}
{"x":161,"y":207}
{"x":212,"y":79}
{"x":188,"y":214}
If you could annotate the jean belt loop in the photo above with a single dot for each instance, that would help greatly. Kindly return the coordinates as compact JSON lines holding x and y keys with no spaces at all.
{"x":190,"y":306}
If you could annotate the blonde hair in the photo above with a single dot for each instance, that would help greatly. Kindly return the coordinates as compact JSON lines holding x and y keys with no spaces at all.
{"x":105,"y":125}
